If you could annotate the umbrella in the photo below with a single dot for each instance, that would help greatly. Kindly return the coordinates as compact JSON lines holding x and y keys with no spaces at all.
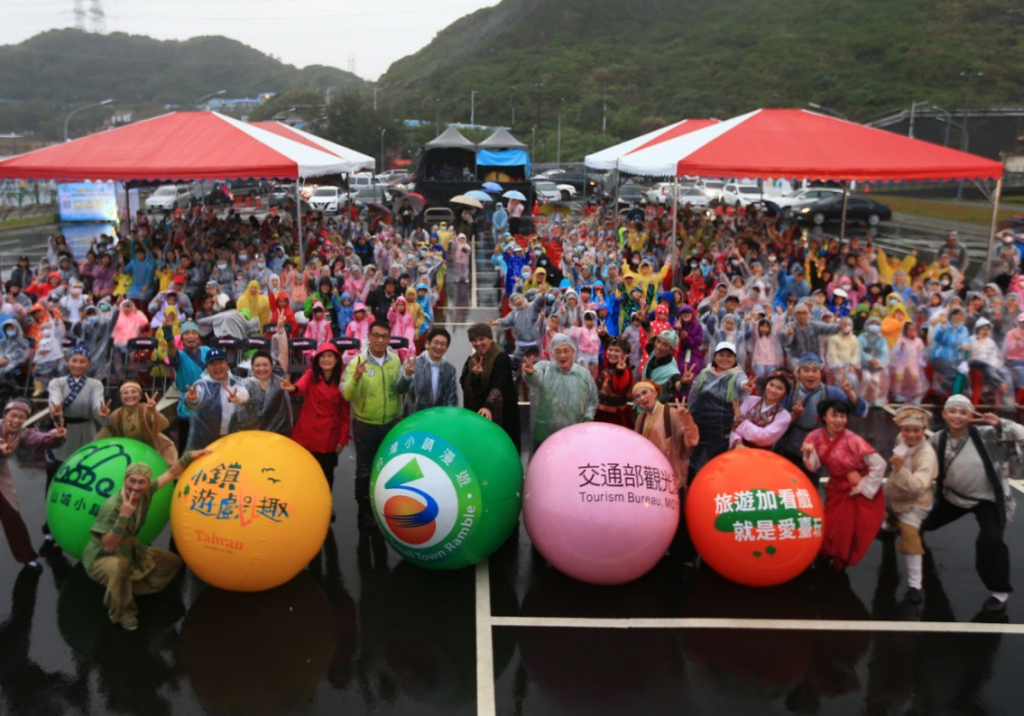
{"x":1014,"y":222}
{"x":379,"y":208}
{"x":466,"y":201}
{"x":513,"y":194}
{"x":480,"y":195}
{"x":556,"y":207}
{"x":493,"y":188}
{"x":415,"y":200}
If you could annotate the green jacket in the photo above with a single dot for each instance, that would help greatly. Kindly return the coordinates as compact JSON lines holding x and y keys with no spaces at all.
{"x":374,"y":397}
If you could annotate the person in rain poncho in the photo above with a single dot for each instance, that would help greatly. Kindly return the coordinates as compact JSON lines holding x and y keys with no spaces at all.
{"x":48,"y":360}
{"x":463,"y":254}
{"x":566,"y":392}
{"x":403,"y":325}
{"x":428,"y":380}
{"x":94,"y":332}
{"x":213,"y":402}
{"x":766,"y":352}
{"x":844,"y":354}
{"x":257,"y":303}
{"x":14,"y":351}
{"x":908,"y":382}
{"x":949,"y":344}
{"x":874,"y":363}
{"x":138,"y":420}
{"x":230,"y":323}
{"x":803,"y":335}
{"x":1013,"y":351}
{"x":908,"y":491}
{"x":691,"y":336}
{"x":588,"y":342}
{"x":269,"y":407}
{"x":986,"y":356}
{"x":731,"y":330}
{"x":647,"y":277}
{"x":522,"y":319}
{"x":318,"y":329}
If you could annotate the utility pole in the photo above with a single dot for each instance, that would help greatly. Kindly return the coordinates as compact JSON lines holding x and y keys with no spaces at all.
{"x":604,"y":114}
{"x":375,"y":99}
{"x":558,"y":151}
{"x":533,"y":153}
{"x":512,"y":103}
{"x":913,"y":112}
{"x":965,"y":140}
{"x":536,"y":89}
{"x":382,"y":131}
{"x":472,"y":107}
{"x":437,"y":122}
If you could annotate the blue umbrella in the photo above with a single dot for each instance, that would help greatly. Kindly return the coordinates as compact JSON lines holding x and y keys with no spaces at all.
{"x":480,"y":195}
{"x":513,"y":194}
{"x":493,"y":188}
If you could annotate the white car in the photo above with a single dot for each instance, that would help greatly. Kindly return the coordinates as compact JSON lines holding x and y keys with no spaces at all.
{"x":737,"y":194}
{"x":806,"y":197}
{"x":547,"y":191}
{"x":168,"y":198}
{"x":712,"y":189}
{"x":694,"y":196}
{"x":326,"y":199}
{"x":568,"y":191}
{"x":660,"y":194}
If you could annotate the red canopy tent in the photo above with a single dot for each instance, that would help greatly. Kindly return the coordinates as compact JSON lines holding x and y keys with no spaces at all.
{"x":180,"y":146}
{"x":357,"y":160}
{"x":799,"y":144}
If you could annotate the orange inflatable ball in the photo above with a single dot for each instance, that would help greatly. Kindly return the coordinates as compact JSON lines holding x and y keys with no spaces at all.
{"x":754,"y":517}
{"x":251,"y":515}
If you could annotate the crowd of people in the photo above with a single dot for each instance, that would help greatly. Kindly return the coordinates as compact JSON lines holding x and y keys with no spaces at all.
{"x":738,"y":332}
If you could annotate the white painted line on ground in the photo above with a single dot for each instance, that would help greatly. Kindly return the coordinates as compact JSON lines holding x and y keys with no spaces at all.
{"x":754,"y":624}
{"x":1019,"y":484}
{"x":485,"y":697}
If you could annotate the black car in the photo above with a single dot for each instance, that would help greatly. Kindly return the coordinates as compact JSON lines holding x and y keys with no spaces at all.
{"x":631,"y":195}
{"x":211,"y":193}
{"x":251,"y":188}
{"x":578,"y":180}
{"x":858,"y":208}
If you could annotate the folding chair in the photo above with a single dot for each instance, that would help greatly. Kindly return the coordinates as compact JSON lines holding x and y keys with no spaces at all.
{"x":232,"y":348}
{"x":297,"y":362}
{"x":139,"y":368}
{"x":253,"y":343}
{"x":398,"y":342}
{"x":346,"y":343}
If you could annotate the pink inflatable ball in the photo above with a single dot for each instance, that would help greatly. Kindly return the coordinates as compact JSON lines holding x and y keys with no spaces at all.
{"x":600,"y":503}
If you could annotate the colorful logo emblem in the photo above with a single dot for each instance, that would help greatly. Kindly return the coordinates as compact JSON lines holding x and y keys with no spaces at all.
{"x":425,"y":498}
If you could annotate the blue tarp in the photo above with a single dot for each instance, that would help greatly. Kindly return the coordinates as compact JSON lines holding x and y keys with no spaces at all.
{"x":503,"y":158}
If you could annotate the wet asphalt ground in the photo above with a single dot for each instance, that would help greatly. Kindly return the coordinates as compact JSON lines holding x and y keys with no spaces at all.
{"x":362,"y":631}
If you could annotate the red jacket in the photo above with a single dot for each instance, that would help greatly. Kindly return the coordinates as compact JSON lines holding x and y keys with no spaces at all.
{"x":324,"y":419}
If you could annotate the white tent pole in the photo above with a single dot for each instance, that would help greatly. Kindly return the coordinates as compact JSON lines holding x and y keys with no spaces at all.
{"x":992,"y":228}
{"x":615,"y":208}
{"x":675,"y":223}
{"x":298,"y":221}
{"x":842,"y":220}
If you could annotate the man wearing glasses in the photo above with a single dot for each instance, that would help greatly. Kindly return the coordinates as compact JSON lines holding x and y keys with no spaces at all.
{"x":370,"y":384}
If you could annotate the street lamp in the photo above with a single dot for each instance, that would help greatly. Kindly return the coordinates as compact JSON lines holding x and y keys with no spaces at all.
{"x":205,"y":97}
{"x":949,"y":121}
{"x":558,"y":153}
{"x":472,"y":107}
{"x":966,"y":140}
{"x":88,"y":106}
{"x":382,"y":130}
{"x":829,"y":110}
{"x":375,"y":90}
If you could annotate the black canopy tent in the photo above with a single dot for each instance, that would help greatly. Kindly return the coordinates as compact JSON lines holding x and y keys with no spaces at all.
{"x":450,"y":157}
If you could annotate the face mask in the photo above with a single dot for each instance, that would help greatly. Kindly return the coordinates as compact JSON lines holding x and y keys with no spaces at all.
{"x":261,"y":265}
{"x":222,"y":266}
{"x":10,"y":334}
{"x":243,"y":257}
{"x":92,"y":319}
{"x":874,"y":328}
{"x":847,"y":329}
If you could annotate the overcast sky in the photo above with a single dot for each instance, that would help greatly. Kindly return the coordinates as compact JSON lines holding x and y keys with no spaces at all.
{"x":299,"y":32}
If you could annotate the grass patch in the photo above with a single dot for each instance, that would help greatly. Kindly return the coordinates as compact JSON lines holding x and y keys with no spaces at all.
{"x":29,"y":221}
{"x":980,"y":214}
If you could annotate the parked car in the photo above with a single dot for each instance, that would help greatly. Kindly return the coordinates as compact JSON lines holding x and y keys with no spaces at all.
{"x":858,"y":208}
{"x":374,"y":194}
{"x":630,"y":195}
{"x":169,"y":197}
{"x":694,"y":196}
{"x":713,"y":189}
{"x":578,"y":180}
{"x":547,"y":191}
{"x":386,"y":177}
{"x":804,"y":197}
{"x":211,"y":193}
{"x":326,"y":199}
{"x":280,"y":195}
{"x":251,"y":188}
{"x":660,"y":194}
{"x":741,"y":194}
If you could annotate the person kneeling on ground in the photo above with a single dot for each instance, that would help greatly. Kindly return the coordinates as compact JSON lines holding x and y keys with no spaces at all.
{"x":116,"y":559}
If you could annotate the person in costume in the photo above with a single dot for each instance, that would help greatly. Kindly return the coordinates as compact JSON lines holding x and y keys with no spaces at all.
{"x":661,"y":367}
{"x":615,"y":384}
{"x":488,"y":385}
{"x":565,"y":391}
{"x":854,"y":503}
{"x":13,"y":435}
{"x":115,"y":558}
{"x":138,"y":420}
{"x":257,"y":303}
{"x":802,"y":404}
{"x":213,"y":400}
{"x":908,"y":491}
{"x":188,"y":363}
{"x":75,"y":402}
{"x":974,"y":452}
{"x":670,"y":427}
{"x":760,"y":419}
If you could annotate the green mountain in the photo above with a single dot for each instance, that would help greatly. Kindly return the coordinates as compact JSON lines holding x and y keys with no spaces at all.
{"x":639,"y":64}
{"x":49,"y":74}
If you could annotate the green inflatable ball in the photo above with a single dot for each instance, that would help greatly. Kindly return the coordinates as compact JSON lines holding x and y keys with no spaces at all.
{"x":446,"y":488}
{"x":85,"y":481}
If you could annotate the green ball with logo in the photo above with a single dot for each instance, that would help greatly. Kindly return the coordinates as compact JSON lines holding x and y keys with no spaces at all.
{"x":87,"y":478}
{"x":446,"y":488}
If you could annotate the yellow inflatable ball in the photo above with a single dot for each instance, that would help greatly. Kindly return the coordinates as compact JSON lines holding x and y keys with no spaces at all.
{"x":251,"y":515}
